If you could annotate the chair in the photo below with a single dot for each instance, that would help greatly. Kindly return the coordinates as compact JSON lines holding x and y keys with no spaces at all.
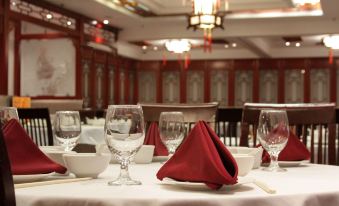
{"x":37,"y":123}
{"x":305,"y":121}
{"x":54,"y":105}
{"x":228,"y":124}
{"x":192,"y":112}
{"x":7,"y":195}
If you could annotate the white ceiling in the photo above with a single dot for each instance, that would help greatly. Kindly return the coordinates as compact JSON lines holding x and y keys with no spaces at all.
{"x":256,"y":36}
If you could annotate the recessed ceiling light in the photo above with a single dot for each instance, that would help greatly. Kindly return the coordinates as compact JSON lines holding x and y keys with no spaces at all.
{"x":105,"y":21}
{"x":49,"y":16}
{"x":144,"y":47}
{"x":297,"y":44}
{"x":69,"y":23}
{"x":234,"y":44}
{"x":155,"y":48}
{"x":94,"y":22}
{"x":226,"y":46}
{"x":13,"y":3}
{"x":302,"y":71}
{"x":287,"y":43}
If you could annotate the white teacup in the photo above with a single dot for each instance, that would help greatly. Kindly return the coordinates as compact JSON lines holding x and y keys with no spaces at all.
{"x":244,"y":162}
{"x":144,"y":155}
{"x":87,"y":164}
{"x":256,"y":152}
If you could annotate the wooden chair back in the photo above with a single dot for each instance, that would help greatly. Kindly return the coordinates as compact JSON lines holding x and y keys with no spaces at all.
{"x":192,"y":112}
{"x":37,"y":123}
{"x":305,"y":121}
{"x":228,"y":125}
{"x":7,"y":195}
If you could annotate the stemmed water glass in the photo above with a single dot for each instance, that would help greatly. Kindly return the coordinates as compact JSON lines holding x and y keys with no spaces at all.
{"x":8,"y":113}
{"x":67,"y":127}
{"x":172,"y":130}
{"x":124,"y":135}
{"x":273,"y":132}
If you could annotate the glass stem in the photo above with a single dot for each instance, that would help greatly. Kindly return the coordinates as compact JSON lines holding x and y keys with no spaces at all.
{"x":274,"y":159}
{"x":124,"y":169}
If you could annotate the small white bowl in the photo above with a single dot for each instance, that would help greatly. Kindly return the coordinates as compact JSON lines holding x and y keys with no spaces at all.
{"x":144,"y":155}
{"x":57,"y":155}
{"x":256,"y":152}
{"x":86,"y":164}
{"x":244,"y":162}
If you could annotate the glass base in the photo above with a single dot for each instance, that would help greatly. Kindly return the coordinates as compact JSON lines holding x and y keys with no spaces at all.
{"x":124,"y":181}
{"x":274,"y":169}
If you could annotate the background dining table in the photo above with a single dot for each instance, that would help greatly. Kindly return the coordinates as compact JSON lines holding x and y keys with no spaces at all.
{"x":306,"y":184}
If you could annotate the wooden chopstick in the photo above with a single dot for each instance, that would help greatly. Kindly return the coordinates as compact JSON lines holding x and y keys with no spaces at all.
{"x":50,"y":182}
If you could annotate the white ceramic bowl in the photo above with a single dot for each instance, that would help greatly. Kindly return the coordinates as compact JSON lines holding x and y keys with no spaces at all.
{"x":86,"y":164}
{"x":256,"y":152}
{"x":244,"y":162}
{"x":144,"y":155}
{"x":57,"y":155}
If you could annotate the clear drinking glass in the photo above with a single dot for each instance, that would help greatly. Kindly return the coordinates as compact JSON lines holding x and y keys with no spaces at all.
{"x":124,"y":135}
{"x":172,"y":130}
{"x":67,"y":127}
{"x":273,"y":132}
{"x":8,"y":113}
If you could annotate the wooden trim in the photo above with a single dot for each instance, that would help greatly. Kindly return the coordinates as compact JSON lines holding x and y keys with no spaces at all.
{"x":18,"y":16}
{"x":183,"y":86}
{"x":159,"y":86}
{"x":207,"y":84}
{"x":4,"y":49}
{"x":333,"y":81}
{"x":43,"y":36}
{"x":307,"y":81}
{"x":256,"y":81}
{"x":231,"y":87}
{"x":281,"y":82}
{"x":17,"y":66}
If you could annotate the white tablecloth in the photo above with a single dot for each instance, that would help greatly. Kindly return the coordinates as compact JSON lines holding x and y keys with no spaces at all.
{"x":305,"y":185}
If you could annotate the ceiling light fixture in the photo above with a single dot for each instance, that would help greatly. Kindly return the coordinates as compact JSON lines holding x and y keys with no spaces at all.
{"x":304,"y":2}
{"x":206,"y":16}
{"x":297,"y":44}
{"x":49,"y":16}
{"x":331,"y":41}
{"x":69,"y":23}
{"x":105,"y":21}
{"x":178,"y":46}
{"x":94,"y":22}
{"x":287,"y":43}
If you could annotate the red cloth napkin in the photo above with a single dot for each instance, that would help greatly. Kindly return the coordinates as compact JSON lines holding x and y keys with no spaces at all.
{"x":25,"y":157}
{"x":153,"y":138}
{"x":202,"y":157}
{"x":294,"y":150}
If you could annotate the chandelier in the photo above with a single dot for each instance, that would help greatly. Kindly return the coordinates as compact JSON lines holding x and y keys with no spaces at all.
{"x":206,"y":16}
{"x":178,"y":46}
{"x":331,"y":42}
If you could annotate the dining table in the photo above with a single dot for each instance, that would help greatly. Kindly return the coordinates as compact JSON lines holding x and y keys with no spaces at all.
{"x":302,"y":184}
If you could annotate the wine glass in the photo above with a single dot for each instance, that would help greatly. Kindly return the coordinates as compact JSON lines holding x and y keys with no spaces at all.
{"x":172,"y":128}
{"x":8,"y":113}
{"x":273,"y":132}
{"x":124,"y":135}
{"x":67,"y":128}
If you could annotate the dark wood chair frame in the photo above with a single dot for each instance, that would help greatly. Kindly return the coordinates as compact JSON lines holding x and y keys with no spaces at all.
{"x":301,"y":117}
{"x":37,"y":123}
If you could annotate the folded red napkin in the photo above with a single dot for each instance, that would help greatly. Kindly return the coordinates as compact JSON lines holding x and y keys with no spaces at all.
{"x":202,"y":157}
{"x":25,"y":157}
{"x":294,"y":150}
{"x":153,"y":138}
